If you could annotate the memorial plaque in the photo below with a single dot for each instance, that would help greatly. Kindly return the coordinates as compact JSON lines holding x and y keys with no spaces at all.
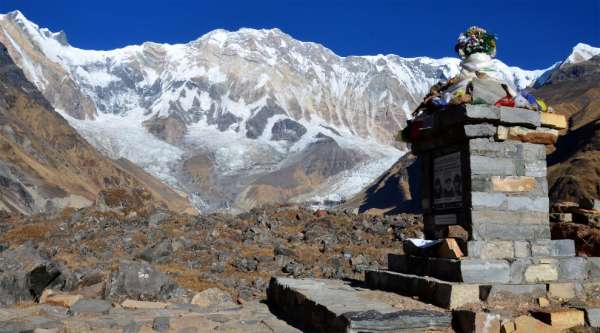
{"x":447,"y":182}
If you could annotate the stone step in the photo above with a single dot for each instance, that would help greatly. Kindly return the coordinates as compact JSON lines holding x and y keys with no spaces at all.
{"x":516,"y":271}
{"x":444,"y":294}
{"x":452,"y":295}
{"x":501,"y":249}
{"x":337,"y":306}
{"x":521,"y":249}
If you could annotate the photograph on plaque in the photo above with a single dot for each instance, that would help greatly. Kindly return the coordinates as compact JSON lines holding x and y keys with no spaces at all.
{"x":447,"y":181}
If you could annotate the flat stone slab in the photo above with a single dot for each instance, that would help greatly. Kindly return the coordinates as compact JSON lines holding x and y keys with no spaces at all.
{"x":336,"y":306}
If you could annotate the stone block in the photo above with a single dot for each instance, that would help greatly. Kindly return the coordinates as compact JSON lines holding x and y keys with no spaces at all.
{"x":561,"y":217}
{"x":514,"y":116}
{"x":482,"y":112}
{"x":539,"y":204}
{"x":502,"y":133}
{"x":573,"y":269}
{"x":522,"y":249}
{"x":481,"y":165}
{"x":488,"y":200}
{"x":449,"y":249}
{"x":533,"y":152}
{"x":543,"y":302}
{"x":594,"y":268}
{"x":535,"y":136}
{"x":562,"y":319}
{"x":540,"y":273}
{"x":553,"y":248}
{"x":485,"y":271}
{"x":491,"y":249}
{"x":553,"y":120}
{"x":508,"y":326}
{"x":509,"y":218}
{"x":480,"y":130}
{"x":535,"y":169}
{"x":512,"y":184}
{"x":562,"y":290}
{"x":458,"y":232}
{"x":503,"y":231}
{"x":501,"y":291}
{"x":529,"y":324}
{"x":592,"y":316}
{"x":476,"y":322}
{"x":489,"y":148}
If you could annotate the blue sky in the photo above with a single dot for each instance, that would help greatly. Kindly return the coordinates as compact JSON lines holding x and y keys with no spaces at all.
{"x":532,"y":34}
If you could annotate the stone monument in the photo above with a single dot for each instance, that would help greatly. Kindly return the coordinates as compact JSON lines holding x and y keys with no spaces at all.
{"x":483,"y":150}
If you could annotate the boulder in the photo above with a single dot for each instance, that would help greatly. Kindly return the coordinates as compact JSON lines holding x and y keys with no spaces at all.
{"x":158,"y":252}
{"x":214,"y":299}
{"x":25,"y":272}
{"x":138,"y":280}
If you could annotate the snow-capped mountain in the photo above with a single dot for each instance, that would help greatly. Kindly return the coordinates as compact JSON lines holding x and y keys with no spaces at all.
{"x":236,"y":119}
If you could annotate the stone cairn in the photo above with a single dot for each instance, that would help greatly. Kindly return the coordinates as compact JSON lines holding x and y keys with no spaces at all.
{"x":486,"y":212}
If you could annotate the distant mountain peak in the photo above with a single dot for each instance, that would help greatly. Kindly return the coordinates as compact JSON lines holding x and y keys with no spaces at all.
{"x":581,"y":52}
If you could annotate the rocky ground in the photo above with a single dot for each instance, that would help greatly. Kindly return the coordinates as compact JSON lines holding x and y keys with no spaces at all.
{"x":125,"y":249}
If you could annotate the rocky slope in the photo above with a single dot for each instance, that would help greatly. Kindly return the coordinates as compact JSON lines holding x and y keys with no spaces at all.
{"x":45,"y":164}
{"x":231,"y":117}
{"x":237,"y":253}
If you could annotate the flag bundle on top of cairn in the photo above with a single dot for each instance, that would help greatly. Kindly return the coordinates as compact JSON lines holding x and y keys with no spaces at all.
{"x":479,"y":81}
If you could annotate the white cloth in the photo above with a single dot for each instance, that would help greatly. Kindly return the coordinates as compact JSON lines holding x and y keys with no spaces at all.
{"x":482,"y":62}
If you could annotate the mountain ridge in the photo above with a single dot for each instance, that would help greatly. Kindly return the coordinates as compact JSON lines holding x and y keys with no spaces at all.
{"x":245,"y":105}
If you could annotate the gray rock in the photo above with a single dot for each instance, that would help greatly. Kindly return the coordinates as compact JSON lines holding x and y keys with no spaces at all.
{"x":161,"y":324}
{"x":158,"y":252}
{"x":592,"y":316}
{"x":139,"y":280}
{"x":131,"y":327}
{"x":157,"y":218}
{"x":28,"y":324}
{"x":25,"y":272}
{"x":90,"y":306}
{"x":246,"y":264}
{"x":487,"y":91}
{"x":214,"y":299}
